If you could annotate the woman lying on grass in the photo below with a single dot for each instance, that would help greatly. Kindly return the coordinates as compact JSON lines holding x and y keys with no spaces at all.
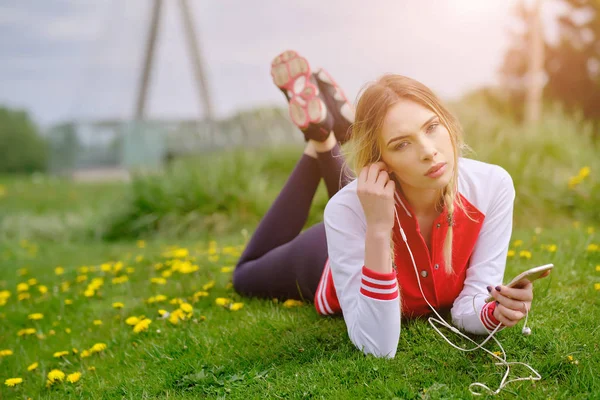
{"x":405,"y":148}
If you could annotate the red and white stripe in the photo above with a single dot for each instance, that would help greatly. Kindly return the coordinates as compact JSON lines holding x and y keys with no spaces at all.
{"x":321,"y":301}
{"x":379,"y":286}
{"x":487,"y":316}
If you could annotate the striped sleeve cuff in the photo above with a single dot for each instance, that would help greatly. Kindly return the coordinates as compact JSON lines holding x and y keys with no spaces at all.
{"x":379,"y":286}
{"x":487,"y":316}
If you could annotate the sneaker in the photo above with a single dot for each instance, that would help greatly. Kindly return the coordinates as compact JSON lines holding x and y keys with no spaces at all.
{"x":292,"y":75}
{"x":338,"y":105}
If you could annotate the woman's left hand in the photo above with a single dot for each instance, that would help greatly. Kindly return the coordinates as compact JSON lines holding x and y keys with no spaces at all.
{"x":513,"y":303}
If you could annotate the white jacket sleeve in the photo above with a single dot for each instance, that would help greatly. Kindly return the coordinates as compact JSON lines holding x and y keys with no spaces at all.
{"x":488,"y":262}
{"x":370,"y":301}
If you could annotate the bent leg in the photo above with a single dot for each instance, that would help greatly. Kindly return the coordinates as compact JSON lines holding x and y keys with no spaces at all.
{"x":290,"y":271}
{"x":334,"y":170}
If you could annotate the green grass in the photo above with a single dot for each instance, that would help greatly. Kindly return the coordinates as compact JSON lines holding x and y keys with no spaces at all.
{"x":266,"y":350}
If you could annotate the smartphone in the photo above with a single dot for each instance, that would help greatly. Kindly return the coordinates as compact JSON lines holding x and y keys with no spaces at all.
{"x":531,"y":275}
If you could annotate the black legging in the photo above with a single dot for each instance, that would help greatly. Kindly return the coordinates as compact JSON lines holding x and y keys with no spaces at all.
{"x":280,"y":261}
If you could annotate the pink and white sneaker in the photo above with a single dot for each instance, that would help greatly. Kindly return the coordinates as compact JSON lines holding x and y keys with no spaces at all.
{"x":292,"y":75}
{"x":340,"y":108}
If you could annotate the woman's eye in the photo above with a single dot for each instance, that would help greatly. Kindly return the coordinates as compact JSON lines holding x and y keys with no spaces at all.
{"x":401,"y":145}
{"x":432,"y":127}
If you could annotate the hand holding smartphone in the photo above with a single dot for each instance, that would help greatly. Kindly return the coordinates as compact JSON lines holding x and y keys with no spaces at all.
{"x":529,"y":275}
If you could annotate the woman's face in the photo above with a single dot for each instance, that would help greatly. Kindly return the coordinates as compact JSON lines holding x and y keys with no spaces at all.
{"x":413,"y":141}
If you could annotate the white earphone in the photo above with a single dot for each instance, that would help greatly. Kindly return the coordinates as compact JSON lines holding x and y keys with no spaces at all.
{"x":526,"y":330}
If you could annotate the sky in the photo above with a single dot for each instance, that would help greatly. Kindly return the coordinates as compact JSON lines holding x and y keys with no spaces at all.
{"x":81,"y":59}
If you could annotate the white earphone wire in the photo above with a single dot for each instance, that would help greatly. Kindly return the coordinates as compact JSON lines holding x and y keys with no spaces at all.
{"x":442,"y":322}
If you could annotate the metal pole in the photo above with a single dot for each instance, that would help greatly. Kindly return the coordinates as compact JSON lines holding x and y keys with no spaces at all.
{"x":535,"y":79}
{"x":198,"y":68}
{"x":147,"y":66}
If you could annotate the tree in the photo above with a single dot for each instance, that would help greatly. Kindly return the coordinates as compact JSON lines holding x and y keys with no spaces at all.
{"x":572,"y":65}
{"x":22,"y":149}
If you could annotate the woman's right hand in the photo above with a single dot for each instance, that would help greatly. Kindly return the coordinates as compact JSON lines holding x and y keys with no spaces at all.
{"x":376,"y":194}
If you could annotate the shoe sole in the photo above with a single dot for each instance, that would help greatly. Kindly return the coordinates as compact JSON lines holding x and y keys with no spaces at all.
{"x":291,"y":72}
{"x":346,"y":108}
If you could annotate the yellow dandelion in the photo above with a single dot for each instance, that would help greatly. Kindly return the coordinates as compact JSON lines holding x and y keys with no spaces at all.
{"x":120,"y":279}
{"x":68,"y":301}
{"x":201,"y":294}
{"x":141,"y":244}
{"x":106,"y":267}
{"x":56,"y":375}
{"x":186,"y":307}
{"x":43,"y":289}
{"x":226,"y":269}
{"x":118,"y":305}
{"x":511,"y":253}
{"x":574,"y":181}
{"x":158,"y":281}
{"x":68,"y":330}
{"x":92,"y":368}
{"x":32,"y":366}
{"x":550,"y":248}
{"x":209,"y":285}
{"x":74,"y":350}
{"x":98,"y":347}
{"x":132,"y":321}
{"x":222,"y":301}
{"x":81,"y":278}
{"x":89,"y":293}
{"x":24,"y":296}
{"x":59,"y":270}
{"x":292,"y":303}
{"x":142,"y":326}
{"x":162,"y":312}
{"x":518,"y":243}
{"x":597,"y":268}
{"x":26,"y":331}
{"x":570,"y":357}
{"x":590,"y":230}
{"x":22,"y":271}
{"x":497,"y":353}
{"x":60,"y":354}
{"x":74,"y":377}
{"x":22,"y":287}
{"x":593,"y":247}
{"x":597,"y":286}
{"x":51,"y":332}
{"x":176,"y":300}
{"x":97,"y":322}
{"x":85,"y":353}
{"x":236,"y":306}
{"x":4,"y":294}
{"x":10,"y":382}
{"x":32,"y":282}
{"x":4,"y":353}
{"x":35,"y":316}
{"x":83,"y":270}
{"x":167,"y":273}
{"x":525,"y":254}
{"x":584,"y":172}
{"x":130,"y":270}
{"x":139,"y":258}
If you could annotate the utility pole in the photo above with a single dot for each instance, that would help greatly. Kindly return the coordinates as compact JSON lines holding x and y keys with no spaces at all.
{"x":535,"y":73}
{"x":148,"y":56}
{"x":196,"y":58}
{"x":195,"y":52}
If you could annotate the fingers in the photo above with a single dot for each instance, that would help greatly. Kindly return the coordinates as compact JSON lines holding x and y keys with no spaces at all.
{"x":510,"y":314}
{"x":524,"y":293}
{"x":505,"y":321}
{"x":374,"y":169}
{"x":508,"y":302}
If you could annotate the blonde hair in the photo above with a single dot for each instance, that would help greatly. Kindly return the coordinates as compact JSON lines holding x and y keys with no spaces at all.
{"x":364,"y":146}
